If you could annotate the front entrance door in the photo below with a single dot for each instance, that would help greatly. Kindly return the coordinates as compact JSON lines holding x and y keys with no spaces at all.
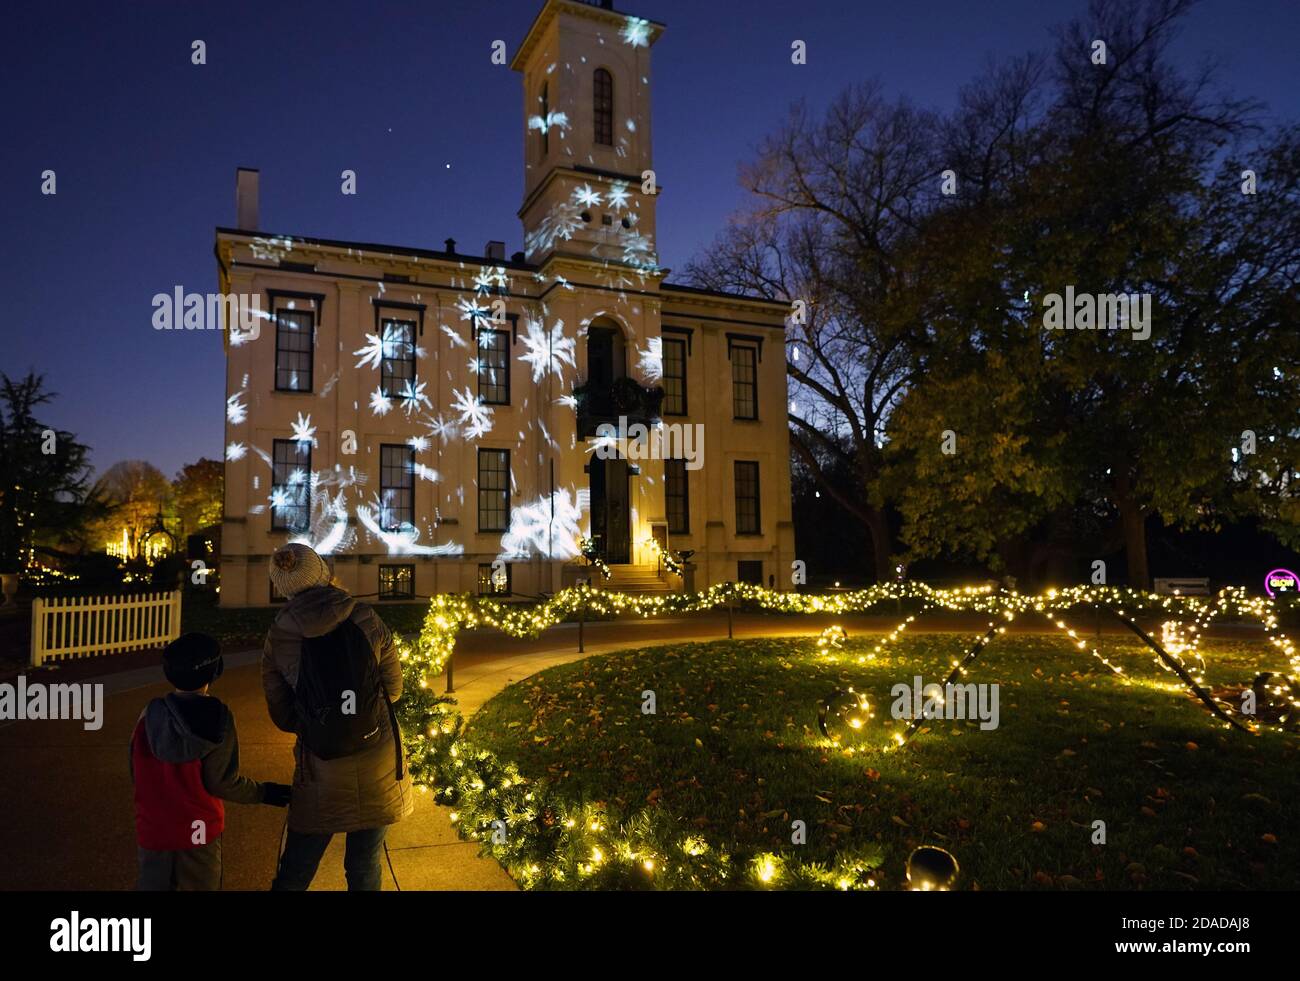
{"x":610,"y":518}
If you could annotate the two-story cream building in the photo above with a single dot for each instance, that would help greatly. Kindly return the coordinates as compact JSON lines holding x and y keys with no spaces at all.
{"x":436,"y":421}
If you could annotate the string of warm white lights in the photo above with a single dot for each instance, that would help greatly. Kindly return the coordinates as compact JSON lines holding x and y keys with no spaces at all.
{"x":545,"y":841}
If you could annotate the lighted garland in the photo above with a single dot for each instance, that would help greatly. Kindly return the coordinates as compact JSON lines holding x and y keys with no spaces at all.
{"x":547,"y":842}
{"x":589,"y":551}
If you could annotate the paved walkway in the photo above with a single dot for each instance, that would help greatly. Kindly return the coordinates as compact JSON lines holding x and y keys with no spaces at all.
{"x":66,"y":820}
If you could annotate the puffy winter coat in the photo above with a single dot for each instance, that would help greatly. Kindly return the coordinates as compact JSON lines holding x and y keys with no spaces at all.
{"x":353,"y":792}
{"x":184,"y":762}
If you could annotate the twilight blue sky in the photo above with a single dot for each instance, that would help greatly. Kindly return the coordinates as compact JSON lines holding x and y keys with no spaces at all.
{"x":145,"y":146}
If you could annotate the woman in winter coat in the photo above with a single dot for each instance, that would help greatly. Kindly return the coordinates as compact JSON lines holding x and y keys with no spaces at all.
{"x":360,"y":794}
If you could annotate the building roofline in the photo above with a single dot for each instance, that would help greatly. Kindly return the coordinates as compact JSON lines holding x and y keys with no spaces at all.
{"x":408,"y":251}
{"x":606,"y":15}
{"x":396,"y":251}
{"x":680,"y":288}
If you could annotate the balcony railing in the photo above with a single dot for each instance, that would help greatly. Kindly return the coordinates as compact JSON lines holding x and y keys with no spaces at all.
{"x":599,"y":404}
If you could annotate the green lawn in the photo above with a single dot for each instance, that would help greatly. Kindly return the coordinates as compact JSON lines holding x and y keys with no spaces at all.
{"x":733,"y":755}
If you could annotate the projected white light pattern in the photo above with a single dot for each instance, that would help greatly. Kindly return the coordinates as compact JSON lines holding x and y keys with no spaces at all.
{"x":547,"y":352}
{"x":549,"y":527}
{"x":442,"y":413}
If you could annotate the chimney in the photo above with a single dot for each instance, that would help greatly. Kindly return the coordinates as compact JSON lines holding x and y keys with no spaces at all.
{"x":450,"y":246}
{"x":495,"y":250}
{"x":246,"y":199}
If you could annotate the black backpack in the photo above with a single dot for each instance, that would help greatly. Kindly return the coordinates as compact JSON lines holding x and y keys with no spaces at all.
{"x":339,"y":671}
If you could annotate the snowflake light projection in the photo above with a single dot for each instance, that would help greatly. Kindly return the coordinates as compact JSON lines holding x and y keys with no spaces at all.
{"x":475,"y":417}
{"x":456,"y":339}
{"x":564,"y":218}
{"x":236,"y":410}
{"x":441,"y":427}
{"x":391,"y":343}
{"x":235,"y":451}
{"x":379,"y":402}
{"x":471,"y":309}
{"x":650,"y":361}
{"x":303,"y":430}
{"x":550,"y":527}
{"x":547,"y":351}
{"x":491,"y":279}
{"x":413,"y":397}
{"x":586,"y":196}
{"x":636,"y":32}
{"x":639,"y":252}
{"x":558,"y":121}
{"x":271,"y":248}
{"x":619,"y":195}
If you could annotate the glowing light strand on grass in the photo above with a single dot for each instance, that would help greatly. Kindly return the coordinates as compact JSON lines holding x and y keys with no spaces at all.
{"x":551,"y":842}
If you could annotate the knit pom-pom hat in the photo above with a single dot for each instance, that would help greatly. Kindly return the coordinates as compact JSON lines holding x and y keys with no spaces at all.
{"x":295,"y":567}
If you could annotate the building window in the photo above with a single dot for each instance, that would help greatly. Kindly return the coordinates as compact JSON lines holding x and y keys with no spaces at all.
{"x":290,"y":484}
{"x":603,"y":103}
{"x":744,"y":382}
{"x":397,"y":366}
{"x":396,"y":487}
{"x":493,"y":490}
{"x":397,"y":582}
{"x":494,"y":582}
{"x":494,"y":367}
{"x":544,"y":134}
{"x":674,"y":378}
{"x":677,"y":496}
{"x":750,"y":571}
{"x":294,"y":340}
{"x":748,"y":521}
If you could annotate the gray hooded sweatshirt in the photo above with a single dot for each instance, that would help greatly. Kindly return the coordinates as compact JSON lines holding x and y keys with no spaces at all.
{"x":186,"y":726}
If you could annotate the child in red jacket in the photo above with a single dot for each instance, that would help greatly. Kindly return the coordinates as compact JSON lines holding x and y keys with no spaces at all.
{"x":184,"y":763}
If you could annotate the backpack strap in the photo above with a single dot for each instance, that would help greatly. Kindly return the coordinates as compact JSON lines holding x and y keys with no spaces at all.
{"x":397,"y":735}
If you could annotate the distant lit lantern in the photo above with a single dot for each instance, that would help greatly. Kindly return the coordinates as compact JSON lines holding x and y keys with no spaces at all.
{"x":844,"y":716}
{"x":157,"y":541}
{"x":932,"y":869}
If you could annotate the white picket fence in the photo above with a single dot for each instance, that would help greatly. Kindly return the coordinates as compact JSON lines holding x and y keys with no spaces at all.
{"x":87,"y":626}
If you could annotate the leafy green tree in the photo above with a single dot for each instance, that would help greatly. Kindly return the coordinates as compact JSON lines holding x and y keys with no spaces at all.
{"x":44,"y":475}
{"x":1076,"y":439}
{"x":198,"y":495}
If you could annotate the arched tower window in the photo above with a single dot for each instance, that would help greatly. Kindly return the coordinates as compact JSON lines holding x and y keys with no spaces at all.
{"x":603,"y":106}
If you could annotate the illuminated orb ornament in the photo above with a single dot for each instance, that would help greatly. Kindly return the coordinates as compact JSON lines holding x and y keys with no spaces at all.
{"x":1173,"y":637}
{"x":932,"y":869}
{"x":844,"y":716}
{"x":832,"y":638}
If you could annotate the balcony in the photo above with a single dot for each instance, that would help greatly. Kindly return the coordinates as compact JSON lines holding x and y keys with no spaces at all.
{"x":600,"y":404}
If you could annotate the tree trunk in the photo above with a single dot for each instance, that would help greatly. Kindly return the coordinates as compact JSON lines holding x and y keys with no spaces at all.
{"x":882,"y":545}
{"x":1134,"y":521}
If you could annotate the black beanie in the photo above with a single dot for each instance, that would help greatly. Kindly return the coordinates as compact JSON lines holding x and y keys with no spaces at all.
{"x":192,"y":661}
